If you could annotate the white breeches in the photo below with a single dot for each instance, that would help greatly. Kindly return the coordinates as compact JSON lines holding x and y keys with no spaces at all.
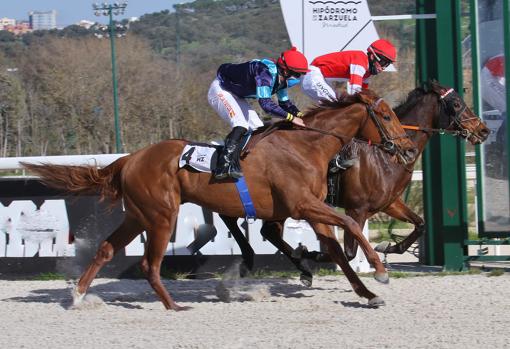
{"x":233,"y":109}
{"x":315,"y":86}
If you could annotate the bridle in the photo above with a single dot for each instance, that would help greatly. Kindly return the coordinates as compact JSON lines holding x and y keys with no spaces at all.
{"x":387,"y":141}
{"x":454,"y":124}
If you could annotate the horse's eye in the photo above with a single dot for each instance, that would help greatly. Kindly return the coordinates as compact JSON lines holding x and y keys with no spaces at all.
{"x":456,"y":105}
{"x":386,"y":117}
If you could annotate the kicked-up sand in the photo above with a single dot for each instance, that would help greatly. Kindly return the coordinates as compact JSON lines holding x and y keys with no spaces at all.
{"x":461,"y":311}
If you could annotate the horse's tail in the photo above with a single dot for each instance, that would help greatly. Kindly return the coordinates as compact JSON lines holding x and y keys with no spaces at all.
{"x":82,"y":180}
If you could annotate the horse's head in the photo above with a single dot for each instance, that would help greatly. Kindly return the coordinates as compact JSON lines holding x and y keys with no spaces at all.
{"x":456,"y":116}
{"x":383,"y":126}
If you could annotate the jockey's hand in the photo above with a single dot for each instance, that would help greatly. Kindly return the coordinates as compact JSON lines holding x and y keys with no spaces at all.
{"x":300,"y":115}
{"x":298,"y":121}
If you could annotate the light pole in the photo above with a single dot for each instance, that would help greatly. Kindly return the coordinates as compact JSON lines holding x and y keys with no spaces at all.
{"x":109,"y":10}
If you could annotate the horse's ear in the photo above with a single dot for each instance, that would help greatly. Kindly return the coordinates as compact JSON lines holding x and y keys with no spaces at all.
{"x":436,"y":87}
{"x":425,"y":85}
{"x":367,"y":97}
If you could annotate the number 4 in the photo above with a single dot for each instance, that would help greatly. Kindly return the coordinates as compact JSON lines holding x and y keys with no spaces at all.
{"x":187,"y":155}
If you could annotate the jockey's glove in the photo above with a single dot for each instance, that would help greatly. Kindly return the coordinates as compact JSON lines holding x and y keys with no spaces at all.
{"x":289,"y":117}
{"x":300,"y":114}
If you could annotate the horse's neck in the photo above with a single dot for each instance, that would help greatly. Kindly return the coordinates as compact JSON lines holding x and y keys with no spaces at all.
{"x":425,"y":114}
{"x":343,"y":123}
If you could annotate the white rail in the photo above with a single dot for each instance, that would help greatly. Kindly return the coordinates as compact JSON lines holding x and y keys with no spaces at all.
{"x":102,"y":160}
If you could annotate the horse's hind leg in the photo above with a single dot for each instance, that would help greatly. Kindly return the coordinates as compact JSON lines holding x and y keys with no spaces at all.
{"x":246,"y":250}
{"x":328,"y":238}
{"x":157,"y":241}
{"x":399,"y":210}
{"x":124,"y":234}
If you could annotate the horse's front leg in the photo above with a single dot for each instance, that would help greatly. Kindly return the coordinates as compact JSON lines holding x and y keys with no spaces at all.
{"x":350,"y":244}
{"x":327,"y":237}
{"x":316,"y":211}
{"x":399,"y":210}
{"x":246,"y":250}
{"x":273,"y":232}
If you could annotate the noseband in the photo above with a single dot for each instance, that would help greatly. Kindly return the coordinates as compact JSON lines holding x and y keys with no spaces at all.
{"x":455,"y":120}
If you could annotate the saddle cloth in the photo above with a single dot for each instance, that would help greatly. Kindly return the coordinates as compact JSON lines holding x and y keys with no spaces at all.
{"x":200,"y":156}
{"x":203,"y":157}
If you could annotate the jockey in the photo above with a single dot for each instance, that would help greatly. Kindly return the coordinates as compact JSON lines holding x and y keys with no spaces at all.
{"x":259,"y":79}
{"x":355,"y":67}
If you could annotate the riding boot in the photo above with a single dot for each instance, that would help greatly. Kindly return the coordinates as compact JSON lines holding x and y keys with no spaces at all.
{"x":228,"y":161}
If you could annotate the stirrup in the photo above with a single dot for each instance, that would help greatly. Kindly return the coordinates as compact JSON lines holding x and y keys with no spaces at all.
{"x":221,"y":172}
{"x":234,"y":172}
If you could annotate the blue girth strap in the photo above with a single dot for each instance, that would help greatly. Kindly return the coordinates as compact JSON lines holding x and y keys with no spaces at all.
{"x":244,"y":194}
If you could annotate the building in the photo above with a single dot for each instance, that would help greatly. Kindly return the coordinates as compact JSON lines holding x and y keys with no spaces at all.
{"x":6,"y":22}
{"x":85,"y":24}
{"x":43,"y":20}
{"x":19,"y":28}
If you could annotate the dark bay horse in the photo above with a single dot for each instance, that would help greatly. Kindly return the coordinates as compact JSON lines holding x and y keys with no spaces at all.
{"x":285,"y":173}
{"x":375,"y":184}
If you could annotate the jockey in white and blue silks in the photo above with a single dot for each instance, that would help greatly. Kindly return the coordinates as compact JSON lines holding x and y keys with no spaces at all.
{"x":258,"y":79}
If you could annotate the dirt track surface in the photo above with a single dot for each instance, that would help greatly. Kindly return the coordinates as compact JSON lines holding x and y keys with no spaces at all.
{"x":468,"y":311}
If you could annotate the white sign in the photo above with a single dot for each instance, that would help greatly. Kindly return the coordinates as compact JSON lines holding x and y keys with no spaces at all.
{"x":317,"y":27}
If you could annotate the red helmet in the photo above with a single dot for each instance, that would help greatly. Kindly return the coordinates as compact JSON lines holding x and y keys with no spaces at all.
{"x":384,"y":48}
{"x":293,"y":60}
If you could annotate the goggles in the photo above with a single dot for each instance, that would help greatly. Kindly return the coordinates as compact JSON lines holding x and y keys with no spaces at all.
{"x":291,"y":72}
{"x":383,"y":61}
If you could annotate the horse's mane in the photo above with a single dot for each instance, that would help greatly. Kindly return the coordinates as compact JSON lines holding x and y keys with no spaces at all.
{"x":342,"y":101}
{"x":413,"y":97}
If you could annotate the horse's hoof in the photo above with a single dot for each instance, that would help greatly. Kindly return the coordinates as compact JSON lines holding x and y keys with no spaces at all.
{"x":383,"y":278}
{"x":376,"y":302}
{"x":183,"y":308}
{"x":383,"y":247}
{"x":243,"y":270}
{"x":306,"y":280}
{"x":77,"y":297}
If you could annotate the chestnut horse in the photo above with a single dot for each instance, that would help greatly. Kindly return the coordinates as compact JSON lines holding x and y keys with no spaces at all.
{"x":285,"y":173}
{"x":375,"y":184}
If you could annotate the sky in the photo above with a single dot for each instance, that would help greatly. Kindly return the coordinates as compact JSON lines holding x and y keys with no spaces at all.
{"x":72,"y":11}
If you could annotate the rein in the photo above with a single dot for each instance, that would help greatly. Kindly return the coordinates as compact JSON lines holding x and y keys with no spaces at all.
{"x":387,"y":141}
{"x":456,"y":120}
{"x":430,"y":130}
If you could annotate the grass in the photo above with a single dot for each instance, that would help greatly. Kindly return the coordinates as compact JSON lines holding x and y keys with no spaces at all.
{"x":49,"y":277}
{"x":404,"y":274}
{"x":496,"y":272}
